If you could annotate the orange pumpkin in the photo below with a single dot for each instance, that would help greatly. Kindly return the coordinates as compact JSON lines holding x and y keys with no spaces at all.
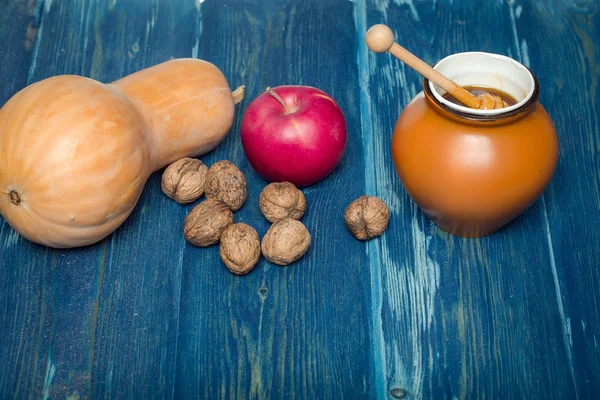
{"x":75,"y":154}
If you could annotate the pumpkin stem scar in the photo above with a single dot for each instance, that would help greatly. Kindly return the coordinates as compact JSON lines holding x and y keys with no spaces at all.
{"x":14,"y":197}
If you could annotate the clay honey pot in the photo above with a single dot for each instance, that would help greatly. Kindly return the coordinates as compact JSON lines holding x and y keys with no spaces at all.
{"x":472,"y":171}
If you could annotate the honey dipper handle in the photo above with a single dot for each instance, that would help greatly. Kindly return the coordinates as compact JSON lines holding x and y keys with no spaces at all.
{"x":380,"y":38}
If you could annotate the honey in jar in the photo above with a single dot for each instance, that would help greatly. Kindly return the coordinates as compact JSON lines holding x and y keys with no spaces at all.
{"x":482,"y":91}
{"x":472,"y":171}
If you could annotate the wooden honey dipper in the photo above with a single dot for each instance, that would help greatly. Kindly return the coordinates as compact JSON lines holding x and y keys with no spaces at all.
{"x":380,"y":38}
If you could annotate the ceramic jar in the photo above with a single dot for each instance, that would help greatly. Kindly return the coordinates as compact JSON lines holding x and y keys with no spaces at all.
{"x":473,"y":171}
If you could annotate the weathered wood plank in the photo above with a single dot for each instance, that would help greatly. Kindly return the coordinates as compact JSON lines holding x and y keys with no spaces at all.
{"x":143,"y":314}
{"x":569,"y":70}
{"x":19,"y":24}
{"x":300,"y":331}
{"x":22,"y":302}
{"x":107,"y":313}
{"x":459,"y":318}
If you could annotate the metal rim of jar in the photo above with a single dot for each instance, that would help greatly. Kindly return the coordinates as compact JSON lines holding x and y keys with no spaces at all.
{"x":525,"y":108}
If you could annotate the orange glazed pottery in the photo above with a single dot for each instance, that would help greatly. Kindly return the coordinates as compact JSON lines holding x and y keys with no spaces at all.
{"x":473,"y":171}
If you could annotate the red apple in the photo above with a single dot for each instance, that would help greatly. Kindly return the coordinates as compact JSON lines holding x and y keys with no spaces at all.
{"x":294,"y":133}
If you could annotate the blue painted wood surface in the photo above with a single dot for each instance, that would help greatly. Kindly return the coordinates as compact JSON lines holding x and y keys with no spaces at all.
{"x":416,"y":313}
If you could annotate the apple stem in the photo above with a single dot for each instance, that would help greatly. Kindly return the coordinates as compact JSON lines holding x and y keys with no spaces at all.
{"x":279,"y":99}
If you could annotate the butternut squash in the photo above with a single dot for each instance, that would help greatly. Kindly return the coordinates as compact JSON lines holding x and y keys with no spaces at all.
{"x":75,"y":153}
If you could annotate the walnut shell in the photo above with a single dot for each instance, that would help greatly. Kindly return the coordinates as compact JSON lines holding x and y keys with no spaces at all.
{"x":240,"y":248}
{"x":206,"y":222}
{"x":285,"y":241}
{"x":227,"y":183}
{"x":280,"y":200}
{"x":183,"y":180}
{"x":367,"y":217}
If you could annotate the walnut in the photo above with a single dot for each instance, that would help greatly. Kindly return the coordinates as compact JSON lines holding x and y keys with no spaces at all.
{"x":285,"y":241}
{"x":240,"y":248}
{"x":367,"y":217}
{"x":206,"y":222}
{"x":282,"y":200}
{"x":183,"y":181}
{"x":227,"y":183}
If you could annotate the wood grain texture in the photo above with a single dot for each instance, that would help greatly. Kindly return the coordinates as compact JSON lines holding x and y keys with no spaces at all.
{"x":459,"y":318}
{"x":134,"y":339}
{"x":414,"y":314}
{"x":299,"y":331}
{"x":107,"y":313}
{"x":25,"y":268}
{"x":570,"y":72}
{"x":19,"y":24}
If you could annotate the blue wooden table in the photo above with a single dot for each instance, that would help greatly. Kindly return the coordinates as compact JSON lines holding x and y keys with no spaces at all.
{"x":415,"y":313}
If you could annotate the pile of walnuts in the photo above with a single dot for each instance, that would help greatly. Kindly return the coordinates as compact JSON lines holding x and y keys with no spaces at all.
{"x":212,"y":221}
